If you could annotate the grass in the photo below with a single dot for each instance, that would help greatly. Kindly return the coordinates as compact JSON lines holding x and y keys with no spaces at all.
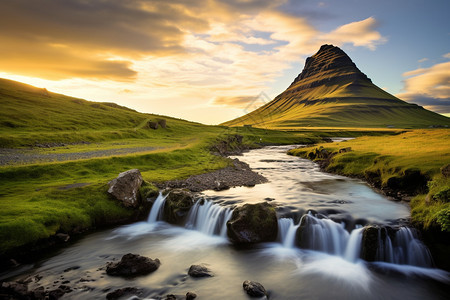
{"x":41,"y":198}
{"x":394,"y":156}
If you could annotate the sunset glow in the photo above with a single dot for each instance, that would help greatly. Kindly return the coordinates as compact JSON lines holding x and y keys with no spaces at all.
{"x":202,"y":60}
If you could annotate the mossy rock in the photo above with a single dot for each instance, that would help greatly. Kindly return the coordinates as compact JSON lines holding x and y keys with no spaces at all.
{"x":177,"y":205}
{"x":253,"y":223}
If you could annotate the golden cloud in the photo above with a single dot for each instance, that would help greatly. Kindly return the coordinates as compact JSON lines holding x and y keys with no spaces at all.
{"x":429,"y":87}
{"x":151,"y":46}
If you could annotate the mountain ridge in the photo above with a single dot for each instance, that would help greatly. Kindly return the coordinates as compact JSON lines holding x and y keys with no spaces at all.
{"x":332,"y":92}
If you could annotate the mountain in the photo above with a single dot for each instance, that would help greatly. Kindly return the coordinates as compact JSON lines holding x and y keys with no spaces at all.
{"x":332,"y":92}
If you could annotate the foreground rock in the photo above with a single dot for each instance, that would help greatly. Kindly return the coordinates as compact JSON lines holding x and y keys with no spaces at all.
{"x":199,"y":271}
{"x":19,"y":290}
{"x":133,"y":265}
{"x":253,"y":223}
{"x":125,"y":188}
{"x":239,"y":174}
{"x":119,"y":293}
{"x":191,"y":296}
{"x":177,"y":205}
{"x":254,"y":289}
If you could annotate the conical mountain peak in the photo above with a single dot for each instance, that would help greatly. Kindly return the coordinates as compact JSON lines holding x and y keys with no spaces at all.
{"x":332,"y":92}
{"x":330,"y":63}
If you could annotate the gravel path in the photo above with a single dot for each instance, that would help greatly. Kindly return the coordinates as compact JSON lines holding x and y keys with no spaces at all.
{"x":27,"y":156}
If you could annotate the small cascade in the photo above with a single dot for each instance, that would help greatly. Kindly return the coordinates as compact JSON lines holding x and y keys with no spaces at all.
{"x":385,"y":251}
{"x":398,"y":247}
{"x":209,"y":218}
{"x":410,"y":249}
{"x":156,"y":213}
{"x":353,"y":249}
{"x":287,"y":231}
{"x":323,"y":235}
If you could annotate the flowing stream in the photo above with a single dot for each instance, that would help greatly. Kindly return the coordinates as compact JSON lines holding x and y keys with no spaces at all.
{"x":328,"y":212}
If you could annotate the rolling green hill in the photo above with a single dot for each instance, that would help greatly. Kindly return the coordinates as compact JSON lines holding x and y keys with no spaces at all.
{"x":31,"y":116}
{"x":332,"y":92}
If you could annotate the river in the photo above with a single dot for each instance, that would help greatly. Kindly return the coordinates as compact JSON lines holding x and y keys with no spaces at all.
{"x":327,"y":265}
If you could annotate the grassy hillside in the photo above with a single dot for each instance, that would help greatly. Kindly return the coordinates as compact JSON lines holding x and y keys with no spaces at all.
{"x":386,"y":160}
{"x":332,"y":92}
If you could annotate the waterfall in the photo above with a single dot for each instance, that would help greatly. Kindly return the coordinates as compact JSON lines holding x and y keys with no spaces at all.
{"x":287,"y":231}
{"x":323,"y":235}
{"x":156,"y":213}
{"x":209,"y":218}
{"x":353,"y":249}
{"x":410,"y":250}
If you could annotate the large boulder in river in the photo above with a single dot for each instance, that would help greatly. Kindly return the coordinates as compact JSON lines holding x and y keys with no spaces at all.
{"x":373,"y":244}
{"x":253,"y":223}
{"x":177,"y":205}
{"x":125,"y":188}
{"x":132,"y":265}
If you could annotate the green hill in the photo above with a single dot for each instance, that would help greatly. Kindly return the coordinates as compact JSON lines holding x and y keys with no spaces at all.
{"x":332,"y":92}
{"x":31,"y":116}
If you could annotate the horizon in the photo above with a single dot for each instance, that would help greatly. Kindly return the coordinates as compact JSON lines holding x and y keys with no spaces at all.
{"x":202,"y":62}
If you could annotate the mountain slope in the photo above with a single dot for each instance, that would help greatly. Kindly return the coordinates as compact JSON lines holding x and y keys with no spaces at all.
{"x":332,"y":92}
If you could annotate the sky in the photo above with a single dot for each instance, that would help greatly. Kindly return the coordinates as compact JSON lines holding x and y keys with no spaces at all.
{"x":213,"y":60}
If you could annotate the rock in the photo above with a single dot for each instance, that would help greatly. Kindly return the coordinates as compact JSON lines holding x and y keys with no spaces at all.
{"x":369,"y":243}
{"x":191,"y":296}
{"x":14,"y":289}
{"x":374,"y":237}
{"x":229,"y":145}
{"x":59,"y":292}
{"x":254,"y":289}
{"x":221,"y":185}
{"x":121,"y":292}
{"x":133,"y":265}
{"x":39,"y":293}
{"x":177,"y":205}
{"x":199,"y":271}
{"x":63,"y":237}
{"x":153,"y":125}
{"x":162,"y":123}
{"x":346,"y":149}
{"x":125,"y":188}
{"x":445,"y":170}
{"x":253,"y":223}
{"x":171,"y":297}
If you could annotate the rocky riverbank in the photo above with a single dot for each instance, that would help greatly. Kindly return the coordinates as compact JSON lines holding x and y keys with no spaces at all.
{"x":239,"y":174}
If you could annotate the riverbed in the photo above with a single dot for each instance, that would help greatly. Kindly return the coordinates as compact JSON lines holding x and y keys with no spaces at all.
{"x":335,"y":207}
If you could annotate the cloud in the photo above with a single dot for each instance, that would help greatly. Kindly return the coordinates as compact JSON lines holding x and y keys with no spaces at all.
{"x":235,"y":101}
{"x":422,"y":60}
{"x":360,"y":33}
{"x":204,"y":52}
{"x":447,"y":55}
{"x":77,"y":38}
{"x":429,"y":87}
